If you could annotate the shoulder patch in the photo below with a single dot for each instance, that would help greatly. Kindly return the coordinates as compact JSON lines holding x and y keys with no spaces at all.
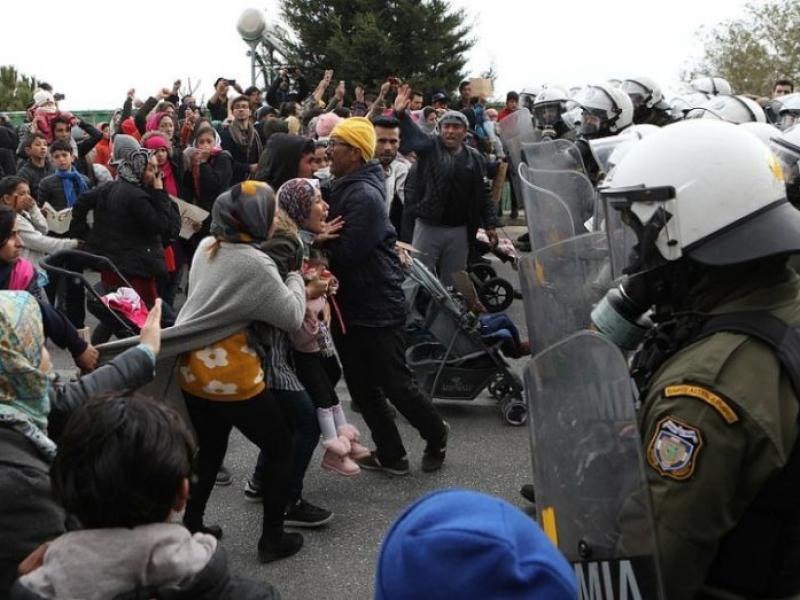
{"x":700,"y":393}
{"x":674,"y":448}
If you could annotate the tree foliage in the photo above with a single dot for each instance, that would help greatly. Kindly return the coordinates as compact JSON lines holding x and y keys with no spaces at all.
{"x":423,"y":42}
{"x":753,"y":51}
{"x":16,"y":89}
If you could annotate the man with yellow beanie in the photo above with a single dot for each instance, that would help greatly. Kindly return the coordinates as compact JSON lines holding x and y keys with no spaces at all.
{"x":370,"y":337}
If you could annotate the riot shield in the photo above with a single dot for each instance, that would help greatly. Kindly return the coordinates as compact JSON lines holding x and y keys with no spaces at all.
{"x":557,"y":204}
{"x":560,"y":285}
{"x":588,"y":470}
{"x":514,"y":131}
{"x":556,"y":155}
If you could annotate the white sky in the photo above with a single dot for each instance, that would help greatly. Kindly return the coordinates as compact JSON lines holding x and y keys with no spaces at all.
{"x":104,"y":48}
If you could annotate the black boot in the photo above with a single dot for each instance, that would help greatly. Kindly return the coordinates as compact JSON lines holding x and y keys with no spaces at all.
{"x":196,"y":526}
{"x":278,"y":544}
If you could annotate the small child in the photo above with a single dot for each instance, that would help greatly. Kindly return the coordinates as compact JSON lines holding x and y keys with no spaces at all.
{"x":315,"y":358}
{"x":122,"y":468}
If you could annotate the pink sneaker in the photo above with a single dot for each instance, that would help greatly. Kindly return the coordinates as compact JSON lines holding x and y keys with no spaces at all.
{"x":343,"y":465}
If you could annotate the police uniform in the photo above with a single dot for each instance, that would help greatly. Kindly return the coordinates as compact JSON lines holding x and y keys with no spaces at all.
{"x":719,"y":423}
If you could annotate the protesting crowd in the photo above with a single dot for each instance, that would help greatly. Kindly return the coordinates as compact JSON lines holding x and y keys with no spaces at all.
{"x":262,"y":241}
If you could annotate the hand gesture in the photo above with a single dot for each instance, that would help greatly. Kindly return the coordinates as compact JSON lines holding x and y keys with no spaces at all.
{"x":316,"y":288}
{"x":331,"y":231}
{"x":340,"y":89}
{"x":176,"y":86}
{"x":150,"y":335}
{"x":163,"y":93}
{"x":87,"y":360}
{"x":403,"y":99}
{"x":385,"y":87}
{"x":131,"y":93}
{"x":328,"y":77}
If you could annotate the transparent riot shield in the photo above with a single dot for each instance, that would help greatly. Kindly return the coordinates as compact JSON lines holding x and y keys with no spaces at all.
{"x":560,"y":285}
{"x":558,"y":155}
{"x":514,"y":131}
{"x":588,"y":469}
{"x":557,"y":204}
{"x":621,"y":238}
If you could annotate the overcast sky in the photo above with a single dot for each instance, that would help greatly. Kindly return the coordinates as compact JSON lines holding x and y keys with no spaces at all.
{"x":94,"y":50}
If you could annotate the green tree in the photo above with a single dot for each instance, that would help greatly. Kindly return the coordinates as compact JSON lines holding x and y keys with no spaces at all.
{"x":16,"y":89}
{"x":423,"y":42}
{"x":754,"y":50}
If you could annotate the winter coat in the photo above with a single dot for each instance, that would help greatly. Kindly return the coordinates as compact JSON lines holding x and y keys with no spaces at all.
{"x":242,"y":157}
{"x":37,"y":244}
{"x":215,"y":178}
{"x":363,"y":257}
{"x":28,"y":513}
{"x":131,"y":226}
{"x":51,"y":189}
{"x":34,"y":175}
{"x":430,"y":180}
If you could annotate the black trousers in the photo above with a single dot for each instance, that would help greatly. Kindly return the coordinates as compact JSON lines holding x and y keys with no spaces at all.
{"x":374,"y":364}
{"x":262,"y":421}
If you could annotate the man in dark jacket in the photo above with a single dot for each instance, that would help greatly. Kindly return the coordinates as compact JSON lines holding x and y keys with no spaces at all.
{"x":371,"y":340}
{"x":241,"y":140}
{"x":37,"y":167}
{"x":450,"y":200}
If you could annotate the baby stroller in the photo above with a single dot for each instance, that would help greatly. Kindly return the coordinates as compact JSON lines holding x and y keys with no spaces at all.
{"x":71,"y":263}
{"x":448,"y":356}
{"x":496,"y":293}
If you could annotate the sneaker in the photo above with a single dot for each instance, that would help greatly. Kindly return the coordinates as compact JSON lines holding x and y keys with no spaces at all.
{"x":224,"y":477}
{"x":286,"y":545}
{"x":304,"y":514}
{"x":433,"y":457}
{"x":371,"y":463}
{"x":528,"y":493}
{"x":252,"y":491}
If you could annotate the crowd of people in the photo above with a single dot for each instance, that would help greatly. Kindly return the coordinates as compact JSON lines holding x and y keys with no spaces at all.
{"x":290,"y":282}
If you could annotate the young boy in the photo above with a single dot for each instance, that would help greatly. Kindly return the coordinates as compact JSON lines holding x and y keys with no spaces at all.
{"x":123,"y":469}
{"x":62,"y":188}
{"x":37,"y":166}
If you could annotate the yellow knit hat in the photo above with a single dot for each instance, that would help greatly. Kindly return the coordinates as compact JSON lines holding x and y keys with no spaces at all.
{"x":359,"y":133}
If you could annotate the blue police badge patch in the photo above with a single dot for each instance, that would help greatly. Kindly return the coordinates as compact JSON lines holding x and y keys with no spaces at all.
{"x":674,"y":448}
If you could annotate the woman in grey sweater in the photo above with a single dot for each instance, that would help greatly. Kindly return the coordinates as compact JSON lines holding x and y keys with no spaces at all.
{"x":223,"y":382}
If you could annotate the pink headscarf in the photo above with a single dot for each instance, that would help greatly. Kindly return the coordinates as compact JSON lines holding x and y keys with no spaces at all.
{"x":154,"y":120}
{"x":157,"y":142}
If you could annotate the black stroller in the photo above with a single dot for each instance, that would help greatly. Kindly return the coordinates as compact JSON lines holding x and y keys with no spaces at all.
{"x":449,"y":358}
{"x":72,"y":263}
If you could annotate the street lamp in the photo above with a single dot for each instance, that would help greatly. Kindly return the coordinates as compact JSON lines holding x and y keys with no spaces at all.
{"x":264,"y":44}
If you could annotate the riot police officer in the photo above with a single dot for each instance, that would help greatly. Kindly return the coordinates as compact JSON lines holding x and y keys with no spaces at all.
{"x":548,"y":110}
{"x":649,"y":106}
{"x":719,"y":386}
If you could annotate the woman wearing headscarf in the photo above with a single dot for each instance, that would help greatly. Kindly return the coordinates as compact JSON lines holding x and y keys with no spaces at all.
{"x":232,"y":282}
{"x":33,"y":414}
{"x":208,"y":169}
{"x":134,"y":219}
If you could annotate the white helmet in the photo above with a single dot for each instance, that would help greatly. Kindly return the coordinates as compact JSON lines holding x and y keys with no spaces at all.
{"x":548,"y":107}
{"x":711,"y":85}
{"x":734,"y":109}
{"x":527,"y":96}
{"x":606,"y":110}
{"x":707,"y":190}
{"x":789,"y":111}
{"x":609,"y":151}
{"x":644,"y":92}
{"x":763,"y":131}
{"x":641,"y":130}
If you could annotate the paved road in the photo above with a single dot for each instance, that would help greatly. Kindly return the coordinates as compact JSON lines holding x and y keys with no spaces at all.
{"x":338,"y":561}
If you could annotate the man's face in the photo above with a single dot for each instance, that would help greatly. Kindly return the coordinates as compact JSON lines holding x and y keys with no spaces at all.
{"x":386,"y":144}
{"x":307,"y":165}
{"x":452,"y":134}
{"x":38,"y":148}
{"x":62,"y":160}
{"x":416,"y":102}
{"x":61,"y":131}
{"x":241,"y":111}
{"x":222,"y":87}
{"x":255,"y":97}
{"x":11,"y":250}
{"x":466,"y":92}
{"x":781,"y":90}
{"x":342,"y":155}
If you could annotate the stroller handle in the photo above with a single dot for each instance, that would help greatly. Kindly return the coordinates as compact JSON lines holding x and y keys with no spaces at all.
{"x":91,"y":261}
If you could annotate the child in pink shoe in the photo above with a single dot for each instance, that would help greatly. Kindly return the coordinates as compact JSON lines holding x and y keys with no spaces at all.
{"x":316,"y":364}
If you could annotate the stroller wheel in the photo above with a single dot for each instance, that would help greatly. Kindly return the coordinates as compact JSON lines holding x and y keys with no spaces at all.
{"x":514,"y":411}
{"x":482,"y":272}
{"x":496,"y":294}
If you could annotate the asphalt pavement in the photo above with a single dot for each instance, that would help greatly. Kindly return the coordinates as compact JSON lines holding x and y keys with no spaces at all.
{"x":338,"y":561}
